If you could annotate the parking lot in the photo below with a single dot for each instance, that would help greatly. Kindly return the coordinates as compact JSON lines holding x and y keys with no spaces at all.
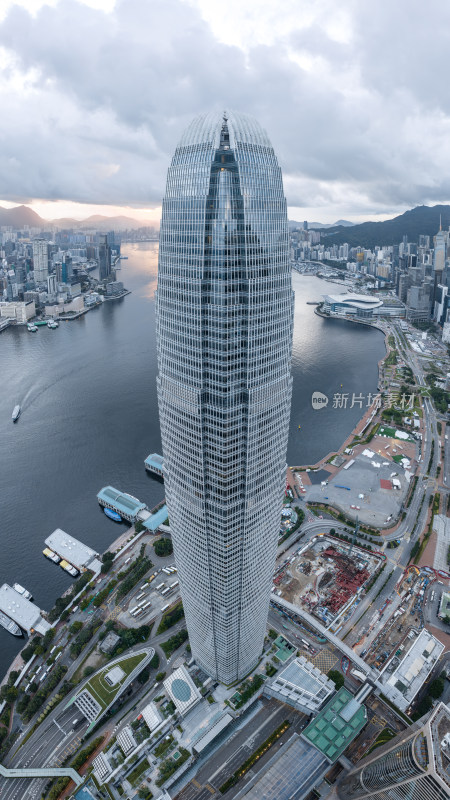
{"x":359,"y":491}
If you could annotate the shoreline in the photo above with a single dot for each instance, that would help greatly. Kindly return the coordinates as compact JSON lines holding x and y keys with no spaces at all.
{"x":364,"y":420}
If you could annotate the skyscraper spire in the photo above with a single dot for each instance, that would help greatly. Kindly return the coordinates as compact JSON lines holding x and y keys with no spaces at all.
{"x":224,"y":133}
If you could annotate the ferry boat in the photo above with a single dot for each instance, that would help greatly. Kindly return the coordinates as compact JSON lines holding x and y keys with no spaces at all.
{"x":9,"y":625}
{"x":21,"y":590}
{"x":52,"y":324}
{"x":112,"y":514}
{"x":51,"y":555}
{"x":32,"y":327}
{"x":69,"y":568}
{"x":16,"y":413}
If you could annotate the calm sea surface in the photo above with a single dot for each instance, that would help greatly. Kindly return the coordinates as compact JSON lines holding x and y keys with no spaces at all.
{"x":89,"y":417}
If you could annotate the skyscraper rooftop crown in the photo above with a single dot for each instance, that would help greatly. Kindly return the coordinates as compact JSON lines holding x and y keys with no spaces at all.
{"x":207,"y":128}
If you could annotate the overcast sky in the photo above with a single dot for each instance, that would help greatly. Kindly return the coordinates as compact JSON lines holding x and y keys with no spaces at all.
{"x":94,"y":95}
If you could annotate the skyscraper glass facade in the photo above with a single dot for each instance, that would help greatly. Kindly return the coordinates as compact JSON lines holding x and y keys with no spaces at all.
{"x":224,"y":328}
{"x":414,"y":766}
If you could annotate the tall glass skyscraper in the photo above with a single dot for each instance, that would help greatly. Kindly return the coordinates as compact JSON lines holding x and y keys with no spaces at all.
{"x":224,"y":327}
{"x":415,"y":765}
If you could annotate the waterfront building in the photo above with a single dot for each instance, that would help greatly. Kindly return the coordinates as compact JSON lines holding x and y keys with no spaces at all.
{"x":104,"y":257}
{"x":114,"y":289}
{"x":73,"y":551}
{"x":22,"y":611}
{"x":40,"y":260}
{"x":351,"y":305}
{"x":414,"y":765}
{"x":21,"y":312}
{"x":224,"y":329}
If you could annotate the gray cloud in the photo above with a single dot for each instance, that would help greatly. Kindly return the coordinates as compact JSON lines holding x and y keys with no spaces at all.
{"x":362,"y":124}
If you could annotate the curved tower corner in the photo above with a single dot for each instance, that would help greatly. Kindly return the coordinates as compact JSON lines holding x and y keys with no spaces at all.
{"x":224,"y":330}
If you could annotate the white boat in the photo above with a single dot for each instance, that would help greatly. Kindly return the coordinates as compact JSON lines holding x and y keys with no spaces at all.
{"x":16,"y":413}
{"x":22,"y":591}
{"x":51,"y":555}
{"x":69,"y":568}
{"x":9,"y":625}
{"x":52,"y":324}
{"x":31,"y":327}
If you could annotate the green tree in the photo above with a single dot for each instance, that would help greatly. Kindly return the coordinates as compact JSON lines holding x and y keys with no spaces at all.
{"x":163,"y":547}
{"x":88,"y":671}
{"x":107,"y":561}
{"x":436,"y":688}
{"x":76,"y":626}
{"x":423,"y":707}
{"x":337,"y":678}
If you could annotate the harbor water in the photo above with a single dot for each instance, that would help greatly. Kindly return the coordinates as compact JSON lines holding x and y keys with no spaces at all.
{"x":89,"y":417}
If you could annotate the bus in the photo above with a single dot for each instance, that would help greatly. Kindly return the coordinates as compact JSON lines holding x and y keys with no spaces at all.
{"x":137,"y":612}
{"x":164,"y":608}
{"x":174,"y":584}
{"x":147,"y":605}
{"x":160,"y":586}
{"x":133,"y":610}
{"x":166,"y":571}
{"x":167,"y":591}
{"x":144,"y":587}
{"x":140,"y":596}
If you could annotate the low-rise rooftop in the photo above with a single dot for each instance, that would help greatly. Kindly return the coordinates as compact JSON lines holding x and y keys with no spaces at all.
{"x":301,"y":685}
{"x":72,"y":550}
{"x":22,"y":611}
{"x":402,"y":685}
{"x":100,"y":690}
{"x":125,"y":504}
{"x":182,"y":690}
{"x":336,"y":725}
{"x":291,"y":774}
{"x":154,"y":462}
{"x":153,"y":522}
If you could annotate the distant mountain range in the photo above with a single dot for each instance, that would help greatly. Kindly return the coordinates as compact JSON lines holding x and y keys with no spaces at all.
{"x":419,"y":220}
{"x":20,"y":216}
{"x":422,"y":219}
{"x":344,"y":223}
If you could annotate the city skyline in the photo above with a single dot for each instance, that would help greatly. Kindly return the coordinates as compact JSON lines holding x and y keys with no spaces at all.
{"x":346,"y":124}
{"x":224,"y":334}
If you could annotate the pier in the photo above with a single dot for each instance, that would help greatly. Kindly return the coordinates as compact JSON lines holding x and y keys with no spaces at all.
{"x":155,"y":463}
{"x":126,"y":505}
{"x":73,"y":551}
{"x":23,"y":612}
{"x":131,"y":509}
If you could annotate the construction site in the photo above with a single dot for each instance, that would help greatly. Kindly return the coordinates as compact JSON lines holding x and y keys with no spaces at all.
{"x":327,"y":578}
{"x":397,"y":622}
